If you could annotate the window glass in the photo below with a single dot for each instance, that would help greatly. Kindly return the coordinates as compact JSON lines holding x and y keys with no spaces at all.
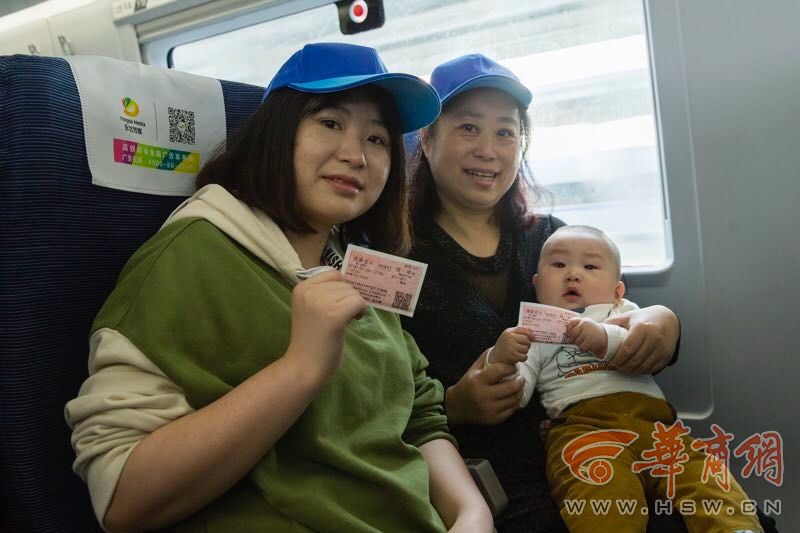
{"x":594,"y":142}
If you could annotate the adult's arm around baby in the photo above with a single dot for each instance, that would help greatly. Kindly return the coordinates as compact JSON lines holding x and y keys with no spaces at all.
{"x":652,"y":338}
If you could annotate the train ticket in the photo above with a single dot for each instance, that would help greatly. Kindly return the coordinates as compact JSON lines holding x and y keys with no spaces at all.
{"x":548,"y":323}
{"x":385,"y":281}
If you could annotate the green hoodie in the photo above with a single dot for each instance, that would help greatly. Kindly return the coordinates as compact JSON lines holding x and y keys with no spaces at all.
{"x":208,"y":303}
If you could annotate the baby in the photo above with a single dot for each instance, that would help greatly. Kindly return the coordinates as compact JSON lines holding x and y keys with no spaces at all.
{"x":613,"y":413}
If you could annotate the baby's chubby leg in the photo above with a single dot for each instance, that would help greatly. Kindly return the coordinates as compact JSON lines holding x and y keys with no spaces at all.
{"x":719,"y":505}
{"x":594,"y":494}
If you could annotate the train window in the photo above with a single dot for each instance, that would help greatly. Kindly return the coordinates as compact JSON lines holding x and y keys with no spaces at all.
{"x":595,"y":143}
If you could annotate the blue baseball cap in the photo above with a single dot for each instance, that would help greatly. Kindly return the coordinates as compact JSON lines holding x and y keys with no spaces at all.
{"x":473,"y":71}
{"x":333,"y":67}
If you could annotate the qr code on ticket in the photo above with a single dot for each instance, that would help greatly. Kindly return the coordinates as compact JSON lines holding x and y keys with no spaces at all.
{"x":181,"y":126}
{"x":402,"y":300}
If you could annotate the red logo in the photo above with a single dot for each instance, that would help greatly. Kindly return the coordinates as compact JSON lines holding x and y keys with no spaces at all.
{"x":718,"y":456}
{"x":586,"y":455}
{"x":358,"y":11}
{"x":667,"y":455}
{"x":764,"y":455}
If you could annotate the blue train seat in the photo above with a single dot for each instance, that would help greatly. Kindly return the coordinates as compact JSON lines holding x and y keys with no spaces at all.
{"x":63,"y":243}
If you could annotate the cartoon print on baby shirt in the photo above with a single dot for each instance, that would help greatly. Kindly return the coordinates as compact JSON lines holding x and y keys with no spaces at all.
{"x":572,"y":362}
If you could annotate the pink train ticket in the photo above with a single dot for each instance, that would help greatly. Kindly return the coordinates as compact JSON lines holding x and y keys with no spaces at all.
{"x":548,"y":323}
{"x":385,"y":281}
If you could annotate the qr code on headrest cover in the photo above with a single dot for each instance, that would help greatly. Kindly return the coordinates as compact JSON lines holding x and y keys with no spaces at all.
{"x":181,"y":126}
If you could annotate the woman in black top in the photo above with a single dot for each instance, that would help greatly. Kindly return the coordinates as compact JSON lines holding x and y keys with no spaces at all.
{"x":472,"y":226}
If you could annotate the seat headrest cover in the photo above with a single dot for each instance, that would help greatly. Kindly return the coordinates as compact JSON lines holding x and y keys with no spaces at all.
{"x":147,"y":129}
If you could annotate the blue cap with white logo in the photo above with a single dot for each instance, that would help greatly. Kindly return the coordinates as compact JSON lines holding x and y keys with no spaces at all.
{"x":332,"y":67}
{"x":473,"y":71}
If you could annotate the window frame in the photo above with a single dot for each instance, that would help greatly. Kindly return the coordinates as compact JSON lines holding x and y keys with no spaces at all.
{"x":678,"y":283}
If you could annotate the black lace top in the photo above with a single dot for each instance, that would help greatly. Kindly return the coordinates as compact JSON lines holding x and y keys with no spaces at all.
{"x":489,"y":275}
{"x":456,"y":319}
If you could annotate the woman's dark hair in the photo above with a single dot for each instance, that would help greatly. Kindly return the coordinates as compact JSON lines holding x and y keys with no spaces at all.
{"x":257,"y":167}
{"x":511,"y":211}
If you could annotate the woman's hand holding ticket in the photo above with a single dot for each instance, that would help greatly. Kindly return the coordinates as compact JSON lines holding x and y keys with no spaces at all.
{"x":322,"y":306}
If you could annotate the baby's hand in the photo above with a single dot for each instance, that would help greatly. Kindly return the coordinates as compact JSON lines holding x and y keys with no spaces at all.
{"x":512,"y":346}
{"x":588,"y":335}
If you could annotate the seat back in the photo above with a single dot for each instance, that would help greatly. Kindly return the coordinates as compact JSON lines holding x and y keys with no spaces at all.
{"x":63,"y":242}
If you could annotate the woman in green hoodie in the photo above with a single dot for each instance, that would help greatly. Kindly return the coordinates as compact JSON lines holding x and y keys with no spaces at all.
{"x":238,"y":385}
